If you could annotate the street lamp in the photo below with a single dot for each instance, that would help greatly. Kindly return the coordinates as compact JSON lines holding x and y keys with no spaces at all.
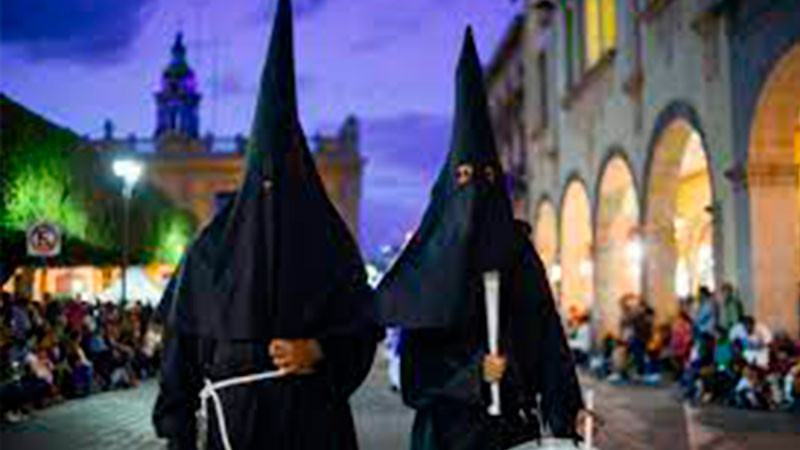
{"x":130,"y":171}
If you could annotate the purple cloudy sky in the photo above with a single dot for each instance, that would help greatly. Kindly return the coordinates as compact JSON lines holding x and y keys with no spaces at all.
{"x":389,"y":62}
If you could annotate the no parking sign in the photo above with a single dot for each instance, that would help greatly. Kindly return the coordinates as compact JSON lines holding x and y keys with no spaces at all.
{"x":44,"y":239}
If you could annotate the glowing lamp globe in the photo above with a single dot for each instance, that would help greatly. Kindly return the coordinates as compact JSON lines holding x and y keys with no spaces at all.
{"x":128,"y":169}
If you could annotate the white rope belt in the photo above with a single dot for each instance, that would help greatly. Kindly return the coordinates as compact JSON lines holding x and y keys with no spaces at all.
{"x":211,"y":390}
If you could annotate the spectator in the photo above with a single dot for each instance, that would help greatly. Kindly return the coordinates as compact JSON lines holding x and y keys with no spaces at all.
{"x":755,"y":339}
{"x":52,"y":348}
{"x":747,"y":393}
{"x":706,"y":316}
{"x":792,"y":388}
{"x":724,"y":377}
{"x":81,"y":376}
{"x":656,"y":346}
{"x":681,"y":340}
{"x":20,"y":320}
{"x":731,"y":311}
{"x":39,"y":381}
{"x":621,"y":350}
{"x":579,"y":337}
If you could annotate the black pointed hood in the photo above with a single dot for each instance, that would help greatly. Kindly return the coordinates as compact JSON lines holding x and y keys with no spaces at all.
{"x":468,"y":226}
{"x":282,"y":256}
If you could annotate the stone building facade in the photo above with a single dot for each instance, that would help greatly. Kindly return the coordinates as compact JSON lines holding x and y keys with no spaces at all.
{"x":659,"y":145}
{"x":199,"y":173}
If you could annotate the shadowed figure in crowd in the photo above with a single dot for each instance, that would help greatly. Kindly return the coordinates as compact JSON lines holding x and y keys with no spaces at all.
{"x":270,"y":324}
{"x":435,"y":293}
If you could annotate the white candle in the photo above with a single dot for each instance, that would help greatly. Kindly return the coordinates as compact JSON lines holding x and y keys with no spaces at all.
{"x":491,"y":286}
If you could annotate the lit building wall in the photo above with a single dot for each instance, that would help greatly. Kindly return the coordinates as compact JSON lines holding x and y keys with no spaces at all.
{"x":667,"y":63}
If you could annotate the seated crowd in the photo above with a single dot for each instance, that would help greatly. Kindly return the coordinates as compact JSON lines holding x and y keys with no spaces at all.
{"x":711,"y":349}
{"x":56,"y":349}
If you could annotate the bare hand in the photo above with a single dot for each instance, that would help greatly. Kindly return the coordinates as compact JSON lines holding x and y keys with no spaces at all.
{"x":298,"y":356}
{"x":494,"y":366}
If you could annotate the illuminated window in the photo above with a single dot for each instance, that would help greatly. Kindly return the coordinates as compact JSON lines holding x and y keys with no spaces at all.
{"x":600,"y":28}
{"x":609,"y":24}
{"x":591,"y":31}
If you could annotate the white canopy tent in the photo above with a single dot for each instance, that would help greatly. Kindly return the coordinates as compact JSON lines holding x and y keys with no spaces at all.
{"x":140,"y":287}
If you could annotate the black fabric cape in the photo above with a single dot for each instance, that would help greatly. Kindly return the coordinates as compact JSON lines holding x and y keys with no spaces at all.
{"x":276,"y":263}
{"x":282,"y":251}
{"x":435,"y":294}
{"x":465,"y":230}
{"x":442,"y":375}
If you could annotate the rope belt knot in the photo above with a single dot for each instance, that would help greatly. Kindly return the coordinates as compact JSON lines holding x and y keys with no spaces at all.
{"x":211,"y":390}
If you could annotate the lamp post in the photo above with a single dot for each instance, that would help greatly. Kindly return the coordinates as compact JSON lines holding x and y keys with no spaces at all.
{"x":129,"y":170}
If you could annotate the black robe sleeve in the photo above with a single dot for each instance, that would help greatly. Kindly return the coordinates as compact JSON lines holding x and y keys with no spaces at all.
{"x":348,"y":359}
{"x":180,"y":384}
{"x":438,"y":366}
{"x":348,"y":355}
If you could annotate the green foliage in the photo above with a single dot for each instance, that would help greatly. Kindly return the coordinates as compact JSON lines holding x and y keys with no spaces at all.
{"x":159,"y":230}
{"x":48,"y":173}
{"x":172,"y":236}
{"x":37,"y":181}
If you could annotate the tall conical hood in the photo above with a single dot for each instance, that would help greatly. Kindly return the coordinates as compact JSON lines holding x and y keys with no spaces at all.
{"x":284,"y":257}
{"x":468,"y":226}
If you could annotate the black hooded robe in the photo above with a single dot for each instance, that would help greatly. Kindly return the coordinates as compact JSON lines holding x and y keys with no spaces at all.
{"x":435,"y":293}
{"x":442,"y":368}
{"x":295,"y":412}
{"x":278,"y":262}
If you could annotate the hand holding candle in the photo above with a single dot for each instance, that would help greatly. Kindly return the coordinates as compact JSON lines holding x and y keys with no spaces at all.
{"x":491,"y":285}
{"x":494,"y":366}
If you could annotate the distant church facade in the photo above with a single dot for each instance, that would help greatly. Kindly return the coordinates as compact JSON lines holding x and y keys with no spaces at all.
{"x":200,"y":173}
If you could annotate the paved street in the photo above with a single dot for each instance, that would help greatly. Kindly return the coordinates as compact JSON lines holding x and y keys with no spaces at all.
{"x":636,"y":418}
{"x":121,"y":421}
{"x":642,"y":417}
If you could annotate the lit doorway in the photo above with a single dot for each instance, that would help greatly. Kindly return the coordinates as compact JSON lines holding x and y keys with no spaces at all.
{"x":679,"y":222}
{"x":577,"y":267}
{"x":619,"y":248}
{"x":773,"y":175}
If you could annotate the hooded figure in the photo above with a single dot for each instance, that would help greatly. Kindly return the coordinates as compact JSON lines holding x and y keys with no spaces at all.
{"x":270,"y":316}
{"x":435,"y":293}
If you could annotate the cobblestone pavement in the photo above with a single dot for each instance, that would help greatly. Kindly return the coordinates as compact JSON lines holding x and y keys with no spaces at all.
{"x":635,"y":418}
{"x":643,"y":417}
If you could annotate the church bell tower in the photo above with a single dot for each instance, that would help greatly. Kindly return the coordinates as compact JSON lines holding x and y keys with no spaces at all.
{"x":178,"y":100}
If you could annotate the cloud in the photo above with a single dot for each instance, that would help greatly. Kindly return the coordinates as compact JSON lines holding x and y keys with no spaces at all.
{"x":88,"y":31}
{"x":403,"y":155}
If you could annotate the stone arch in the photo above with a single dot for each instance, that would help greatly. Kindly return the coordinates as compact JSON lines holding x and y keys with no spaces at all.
{"x":576,"y":287}
{"x":678,"y":211}
{"x":773,"y":183}
{"x":545,"y":234}
{"x":618,"y":246}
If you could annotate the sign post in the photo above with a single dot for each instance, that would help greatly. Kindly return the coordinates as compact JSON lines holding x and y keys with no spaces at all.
{"x":43,"y":239}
